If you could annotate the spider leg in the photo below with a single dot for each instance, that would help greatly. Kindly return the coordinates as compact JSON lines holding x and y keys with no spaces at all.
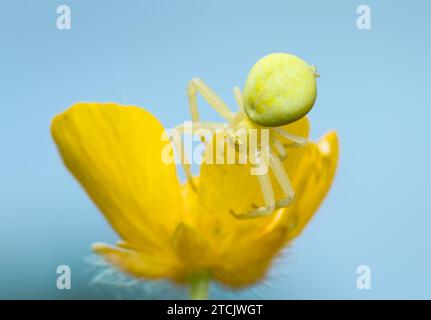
{"x":268,"y":196}
{"x":279,"y":147}
{"x":197,"y":128}
{"x":266,"y":189}
{"x":196,"y":85}
{"x":283,"y":180}
{"x":316,"y":73}
{"x":177,"y":141}
{"x":238,"y":97}
{"x":300,"y":141}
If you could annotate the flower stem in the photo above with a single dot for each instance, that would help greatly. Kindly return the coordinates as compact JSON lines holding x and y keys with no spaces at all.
{"x":199,"y":285}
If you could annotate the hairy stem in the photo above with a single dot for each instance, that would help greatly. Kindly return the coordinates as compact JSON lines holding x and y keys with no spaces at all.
{"x":199,"y":286}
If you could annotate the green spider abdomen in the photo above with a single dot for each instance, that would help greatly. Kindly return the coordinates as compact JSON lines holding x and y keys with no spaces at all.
{"x":280,"y":89}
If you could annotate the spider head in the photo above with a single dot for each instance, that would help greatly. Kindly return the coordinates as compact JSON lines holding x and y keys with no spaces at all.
{"x":280,"y":89}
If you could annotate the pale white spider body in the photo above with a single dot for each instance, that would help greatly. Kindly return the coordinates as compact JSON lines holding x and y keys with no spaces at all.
{"x":280,"y":89}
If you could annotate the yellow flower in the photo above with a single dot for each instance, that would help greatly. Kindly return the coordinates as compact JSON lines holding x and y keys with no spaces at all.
{"x":168,"y":230}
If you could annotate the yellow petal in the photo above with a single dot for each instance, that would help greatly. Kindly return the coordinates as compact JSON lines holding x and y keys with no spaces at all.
{"x":312,"y":179}
{"x":135,"y":263}
{"x":248,"y":260}
{"x":115,"y":153}
{"x":231,"y":250}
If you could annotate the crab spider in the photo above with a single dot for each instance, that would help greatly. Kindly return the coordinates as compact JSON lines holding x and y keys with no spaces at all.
{"x":280,"y":89}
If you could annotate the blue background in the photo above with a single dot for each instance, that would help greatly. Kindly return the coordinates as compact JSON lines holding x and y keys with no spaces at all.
{"x":374,"y":90}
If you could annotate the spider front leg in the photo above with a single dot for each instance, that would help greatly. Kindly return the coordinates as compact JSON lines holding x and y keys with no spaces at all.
{"x":196,"y":85}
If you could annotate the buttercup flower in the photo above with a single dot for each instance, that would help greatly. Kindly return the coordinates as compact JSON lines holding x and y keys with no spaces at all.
{"x":169,"y":230}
